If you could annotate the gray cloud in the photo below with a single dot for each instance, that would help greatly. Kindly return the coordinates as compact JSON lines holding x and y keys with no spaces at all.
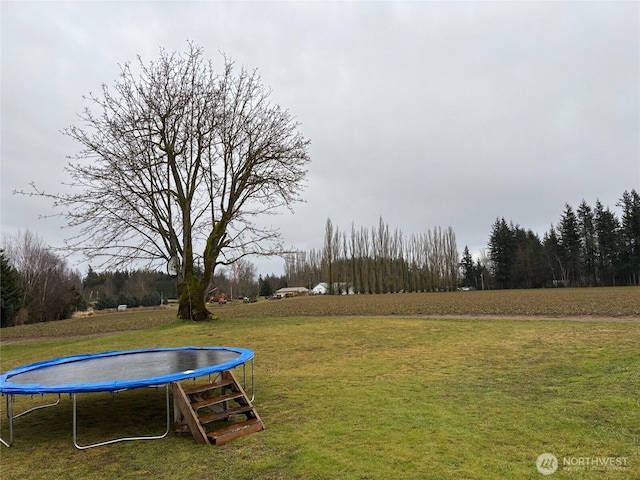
{"x":434,"y":113}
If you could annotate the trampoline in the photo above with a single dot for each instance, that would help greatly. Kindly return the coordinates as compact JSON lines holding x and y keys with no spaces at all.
{"x":116,"y":371}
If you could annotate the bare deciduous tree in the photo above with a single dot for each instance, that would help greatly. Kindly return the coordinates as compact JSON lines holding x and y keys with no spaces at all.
{"x":46,"y":282}
{"x":179,"y":157}
{"x":330,"y":253}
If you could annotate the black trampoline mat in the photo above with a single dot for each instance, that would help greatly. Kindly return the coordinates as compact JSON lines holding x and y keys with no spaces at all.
{"x":124,"y":367}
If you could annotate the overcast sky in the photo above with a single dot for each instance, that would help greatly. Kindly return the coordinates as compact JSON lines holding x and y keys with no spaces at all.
{"x":425,"y":113}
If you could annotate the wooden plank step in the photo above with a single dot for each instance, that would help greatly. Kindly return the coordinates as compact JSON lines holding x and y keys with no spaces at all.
{"x":220,"y":437}
{"x":182,"y":408}
{"x":207,"y":386}
{"x":215,"y":400}
{"x":243,"y":410}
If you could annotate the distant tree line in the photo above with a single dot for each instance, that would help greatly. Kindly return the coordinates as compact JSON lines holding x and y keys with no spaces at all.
{"x":136,"y":288}
{"x":149,"y":287}
{"x":378,"y":260}
{"x":589,"y":246}
{"x":37,"y":286}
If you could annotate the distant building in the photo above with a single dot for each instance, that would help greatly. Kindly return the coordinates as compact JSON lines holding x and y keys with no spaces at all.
{"x":323,"y":289}
{"x":320,"y":289}
{"x":291,"y":292}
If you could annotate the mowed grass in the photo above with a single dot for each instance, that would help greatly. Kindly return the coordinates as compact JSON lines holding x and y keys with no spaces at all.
{"x":355,"y":397}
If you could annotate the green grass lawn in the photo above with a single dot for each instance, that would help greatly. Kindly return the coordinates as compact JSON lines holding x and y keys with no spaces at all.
{"x":358,"y":398}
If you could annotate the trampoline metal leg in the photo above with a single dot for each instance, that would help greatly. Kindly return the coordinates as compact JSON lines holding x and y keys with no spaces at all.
{"x":39,"y":407}
{"x":253,"y":383}
{"x":244,"y":380}
{"x":116,"y":440}
{"x":10,"y":417}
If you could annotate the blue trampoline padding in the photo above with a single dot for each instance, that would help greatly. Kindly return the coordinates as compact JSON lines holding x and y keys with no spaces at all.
{"x":121,"y":369}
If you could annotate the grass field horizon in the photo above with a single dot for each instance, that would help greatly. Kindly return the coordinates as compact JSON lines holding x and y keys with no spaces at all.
{"x":380,"y":390}
{"x":588,"y":303}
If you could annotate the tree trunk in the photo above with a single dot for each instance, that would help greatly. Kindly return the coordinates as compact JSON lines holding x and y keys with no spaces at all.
{"x":192,"y":300}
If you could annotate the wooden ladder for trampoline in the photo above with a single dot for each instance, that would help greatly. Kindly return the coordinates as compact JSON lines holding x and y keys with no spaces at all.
{"x":207,"y":410}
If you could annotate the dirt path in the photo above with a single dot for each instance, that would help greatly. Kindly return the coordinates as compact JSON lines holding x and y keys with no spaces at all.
{"x":594,"y":319}
{"x":23,"y":341}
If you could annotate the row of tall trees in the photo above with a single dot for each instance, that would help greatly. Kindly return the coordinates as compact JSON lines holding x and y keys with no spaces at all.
{"x":589,"y":246}
{"x":378,"y":260}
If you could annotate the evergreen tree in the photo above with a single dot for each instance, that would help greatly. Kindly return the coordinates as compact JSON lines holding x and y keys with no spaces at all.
{"x":630,"y":236}
{"x":10,"y":301}
{"x":528,"y":260}
{"x":607,"y":228}
{"x":501,"y":251}
{"x":468,"y":269}
{"x":105,"y":302}
{"x":266,"y":290}
{"x":553,"y":254}
{"x":570,"y":245}
{"x":93,"y":279}
{"x":150,"y":300}
{"x":588,"y":244}
{"x":78,"y":302}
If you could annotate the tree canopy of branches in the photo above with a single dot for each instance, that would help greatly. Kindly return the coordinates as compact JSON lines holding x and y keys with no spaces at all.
{"x":177,"y":158}
{"x":40,"y":285}
{"x":237,"y":281}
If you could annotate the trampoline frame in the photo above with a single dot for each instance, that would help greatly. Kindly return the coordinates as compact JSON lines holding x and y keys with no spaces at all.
{"x":10,"y":396}
{"x":122,"y":439}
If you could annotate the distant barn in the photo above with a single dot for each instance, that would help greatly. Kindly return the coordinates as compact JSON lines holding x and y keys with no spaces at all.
{"x":291,"y":292}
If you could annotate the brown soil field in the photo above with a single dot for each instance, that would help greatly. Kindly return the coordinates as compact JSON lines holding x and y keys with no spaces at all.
{"x":620,"y":303}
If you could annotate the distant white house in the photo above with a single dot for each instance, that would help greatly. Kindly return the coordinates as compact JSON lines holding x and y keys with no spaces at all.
{"x":323,"y":288}
{"x":320,"y":289}
{"x":291,"y":292}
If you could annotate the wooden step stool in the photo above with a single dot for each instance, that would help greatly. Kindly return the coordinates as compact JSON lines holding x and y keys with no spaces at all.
{"x":207,"y":410}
